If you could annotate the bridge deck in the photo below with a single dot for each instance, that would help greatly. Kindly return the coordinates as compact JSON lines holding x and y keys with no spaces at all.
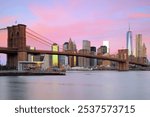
{"x":6,"y":50}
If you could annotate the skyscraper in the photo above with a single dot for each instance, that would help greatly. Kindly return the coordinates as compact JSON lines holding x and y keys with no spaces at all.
{"x":55,"y":58}
{"x":63,"y":58}
{"x":86,"y":50}
{"x":102,"y":50}
{"x":139,"y":45}
{"x":86,"y":45}
{"x":72,"y":49}
{"x":129,"y":42}
{"x":70,"y":45}
{"x":93,"y":62}
{"x":82,"y":61}
{"x":106,"y":43}
{"x":144,"y":51}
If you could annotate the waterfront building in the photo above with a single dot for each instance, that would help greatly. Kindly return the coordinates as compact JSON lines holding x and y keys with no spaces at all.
{"x":46,"y":61}
{"x":139,"y":45}
{"x":31,"y":56}
{"x":106,"y":43}
{"x":55,"y":58}
{"x":129,"y":42}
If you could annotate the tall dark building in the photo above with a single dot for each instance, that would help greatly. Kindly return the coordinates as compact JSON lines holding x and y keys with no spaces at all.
{"x":93,"y":62}
{"x":102,"y":50}
{"x":63,"y":58}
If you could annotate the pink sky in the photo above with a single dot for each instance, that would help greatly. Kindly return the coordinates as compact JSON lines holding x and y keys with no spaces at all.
{"x":95,"y":21}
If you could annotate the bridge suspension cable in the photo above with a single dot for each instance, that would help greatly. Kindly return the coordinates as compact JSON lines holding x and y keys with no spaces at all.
{"x":40,"y":38}
{"x":37,"y":39}
{"x":40,"y":35}
{"x":1,"y":29}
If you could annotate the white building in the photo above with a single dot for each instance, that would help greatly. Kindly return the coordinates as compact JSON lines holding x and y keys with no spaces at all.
{"x":106,"y":43}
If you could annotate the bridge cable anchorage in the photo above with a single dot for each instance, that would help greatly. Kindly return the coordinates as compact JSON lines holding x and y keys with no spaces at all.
{"x":43,"y":37}
{"x":34,"y":38}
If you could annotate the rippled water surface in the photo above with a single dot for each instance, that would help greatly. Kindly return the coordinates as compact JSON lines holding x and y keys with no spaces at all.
{"x":78,"y":85}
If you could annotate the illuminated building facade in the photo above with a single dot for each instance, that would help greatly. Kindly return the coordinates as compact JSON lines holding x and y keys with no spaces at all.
{"x":139,"y":45}
{"x":55,"y":58}
{"x":72,"y":49}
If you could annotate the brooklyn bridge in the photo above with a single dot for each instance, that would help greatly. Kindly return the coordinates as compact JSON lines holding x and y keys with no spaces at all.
{"x":17,"y":50}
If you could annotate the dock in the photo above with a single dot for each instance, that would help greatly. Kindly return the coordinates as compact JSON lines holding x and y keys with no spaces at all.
{"x":18,"y":73}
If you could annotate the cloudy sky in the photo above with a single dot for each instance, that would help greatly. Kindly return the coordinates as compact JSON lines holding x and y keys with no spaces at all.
{"x":93,"y":20}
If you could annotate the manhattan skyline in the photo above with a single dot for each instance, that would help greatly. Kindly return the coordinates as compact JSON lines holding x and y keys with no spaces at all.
{"x":81,"y":20}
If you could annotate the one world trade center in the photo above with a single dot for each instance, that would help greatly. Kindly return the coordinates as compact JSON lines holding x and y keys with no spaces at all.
{"x":129,"y":42}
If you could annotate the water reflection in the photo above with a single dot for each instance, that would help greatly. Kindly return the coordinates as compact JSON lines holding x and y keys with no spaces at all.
{"x":78,"y":85}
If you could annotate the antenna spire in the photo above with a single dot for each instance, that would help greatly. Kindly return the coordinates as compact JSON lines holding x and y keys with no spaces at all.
{"x":129,"y":26}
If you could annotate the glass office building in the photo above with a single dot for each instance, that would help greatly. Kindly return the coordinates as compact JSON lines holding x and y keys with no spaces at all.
{"x":129,"y":42}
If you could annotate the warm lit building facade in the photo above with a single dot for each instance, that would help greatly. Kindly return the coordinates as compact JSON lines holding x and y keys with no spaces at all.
{"x":72,"y":48}
{"x":139,"y":45}
{"x":55,"y":58}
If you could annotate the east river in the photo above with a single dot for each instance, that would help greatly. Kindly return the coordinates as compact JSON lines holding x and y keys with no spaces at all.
{"x":83,"y":85}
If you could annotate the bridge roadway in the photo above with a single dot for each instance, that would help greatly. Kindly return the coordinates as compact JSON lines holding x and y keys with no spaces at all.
{"x":84,"y":55}
{"x":6,"y":50}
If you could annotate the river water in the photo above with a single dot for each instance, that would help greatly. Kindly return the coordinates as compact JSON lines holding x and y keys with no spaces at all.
{"x":81,"y":85}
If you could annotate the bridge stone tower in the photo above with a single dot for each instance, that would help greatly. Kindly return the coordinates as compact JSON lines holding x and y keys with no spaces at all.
{"x":123,"y":55}
{"x":16,"y":40}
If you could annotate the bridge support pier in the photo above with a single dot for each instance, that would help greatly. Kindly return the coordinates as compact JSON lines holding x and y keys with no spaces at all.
{"x":123,"y":54}
{"x":12,"y":61}
{"x":22,"y":56}
{"x":16,"y":40}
